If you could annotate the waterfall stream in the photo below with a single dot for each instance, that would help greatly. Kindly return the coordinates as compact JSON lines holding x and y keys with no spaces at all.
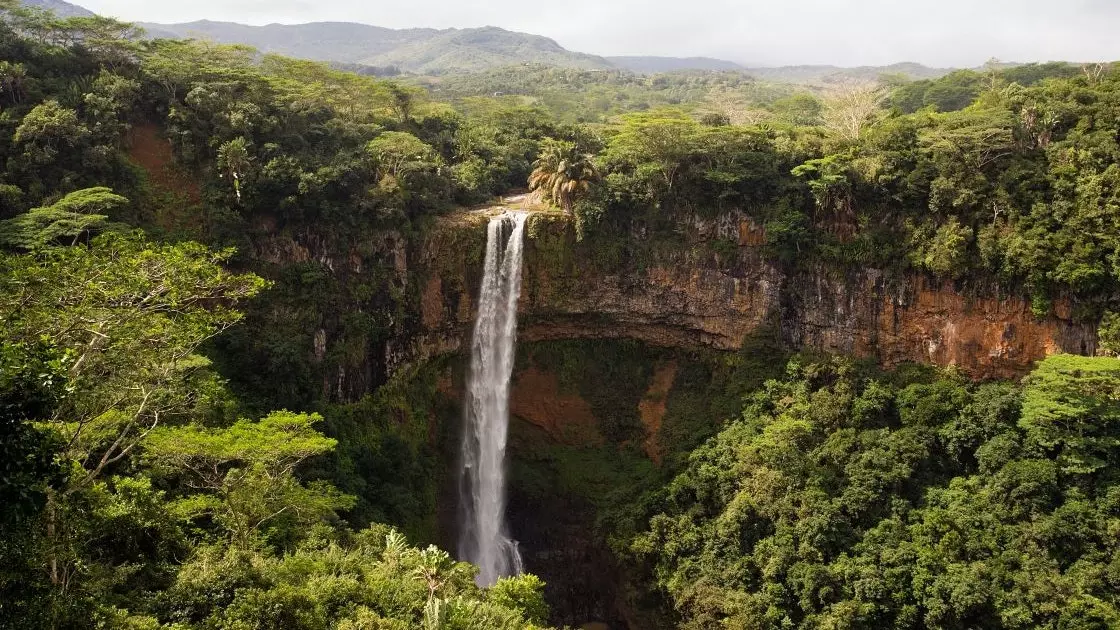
{"x":483,"y":536}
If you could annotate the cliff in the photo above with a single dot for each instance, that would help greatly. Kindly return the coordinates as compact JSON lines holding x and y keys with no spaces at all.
{"x":697,"y":296}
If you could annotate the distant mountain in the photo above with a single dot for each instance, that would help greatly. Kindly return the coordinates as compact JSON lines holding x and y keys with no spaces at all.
{"x":473,"y":49}
{"x":378,"y":50}
{"x":344,"y":42}
{"x":653,"y":65}
{"x":420,"y":50}
{"x":61,"y":9}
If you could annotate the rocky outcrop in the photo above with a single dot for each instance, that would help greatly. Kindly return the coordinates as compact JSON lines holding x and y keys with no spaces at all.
{"x":695,"y":296}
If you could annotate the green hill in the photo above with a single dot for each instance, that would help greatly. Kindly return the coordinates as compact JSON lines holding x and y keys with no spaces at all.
{"x":344,"y":42}
{"x":421,"y":50}
{"x":472,"y":49}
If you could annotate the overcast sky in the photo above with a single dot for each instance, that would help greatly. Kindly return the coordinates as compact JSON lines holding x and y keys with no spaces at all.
{"x":755,"y":32}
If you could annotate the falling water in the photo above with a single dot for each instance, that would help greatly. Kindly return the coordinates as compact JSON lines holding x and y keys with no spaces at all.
{"x":484,"y":539}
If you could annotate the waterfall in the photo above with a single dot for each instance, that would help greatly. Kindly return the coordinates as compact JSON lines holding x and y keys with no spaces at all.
{"x":483,"y":536}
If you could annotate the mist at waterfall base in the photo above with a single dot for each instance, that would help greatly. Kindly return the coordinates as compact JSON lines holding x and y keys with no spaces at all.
{"x":484,"y":538}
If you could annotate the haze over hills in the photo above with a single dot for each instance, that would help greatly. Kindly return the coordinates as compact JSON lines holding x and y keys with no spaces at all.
{"x":826,"y":73}
{"x":651,"y":65}
{"x":428,"y":51}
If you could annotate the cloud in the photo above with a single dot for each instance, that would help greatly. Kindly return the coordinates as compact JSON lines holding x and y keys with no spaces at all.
{"x":771,"y":32}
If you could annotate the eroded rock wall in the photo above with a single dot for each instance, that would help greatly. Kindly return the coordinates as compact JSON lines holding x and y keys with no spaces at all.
{"x":694,"y":296}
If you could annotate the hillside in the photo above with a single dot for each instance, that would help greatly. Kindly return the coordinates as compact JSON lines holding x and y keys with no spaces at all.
{"x":472,"y":49}
{"x":344,"y":42}
{"x":61,"y":8}
{"x":421,"y":51}
{"x":429,"y":51}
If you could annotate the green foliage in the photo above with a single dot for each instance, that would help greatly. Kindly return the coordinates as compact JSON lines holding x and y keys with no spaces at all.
{"x":561,"y":174}
{"x":1071,"y":407}
{"x":136,"y":498}
{"x":524,"y":593}
{"x":131,"y":314}
{"x":247,"y":472}
{"x":390,"y":452}
{"x":1109,"y":332}
{"x":82,"y":213}
{"x":846,"y":501}
{"x":46,"y":130}
{"x":798,"y":109}
{"x":32,"y":379}
{"x":945,"y":251}
{"x":370,"y":579}
{"x":576,"y":95}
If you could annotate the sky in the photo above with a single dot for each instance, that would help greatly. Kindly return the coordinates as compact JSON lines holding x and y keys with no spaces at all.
{"x":945,"y":33}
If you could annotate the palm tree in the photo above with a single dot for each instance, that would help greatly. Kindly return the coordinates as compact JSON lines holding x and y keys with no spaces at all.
{"x":12,"y":78}
{"x":234,"y":160}
{"x":561,"y":174}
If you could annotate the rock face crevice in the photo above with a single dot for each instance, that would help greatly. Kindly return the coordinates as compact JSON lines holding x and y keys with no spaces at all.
{"x":696,"y":298}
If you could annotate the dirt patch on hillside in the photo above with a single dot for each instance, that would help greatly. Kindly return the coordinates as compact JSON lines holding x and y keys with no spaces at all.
{"x":178,"y":194}
{"x":652,"y":408}
{"x":565,"y":416}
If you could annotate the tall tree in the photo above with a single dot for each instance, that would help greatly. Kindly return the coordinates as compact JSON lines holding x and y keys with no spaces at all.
{"x":849,"y":108}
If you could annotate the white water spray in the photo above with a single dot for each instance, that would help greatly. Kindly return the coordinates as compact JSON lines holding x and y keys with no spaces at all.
{"x":483,"y":537}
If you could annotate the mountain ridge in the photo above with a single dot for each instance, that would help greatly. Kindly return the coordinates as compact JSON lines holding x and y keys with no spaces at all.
{"x":434,"y":51}
{"x":60,"y":7}
{"x":417,"y":50}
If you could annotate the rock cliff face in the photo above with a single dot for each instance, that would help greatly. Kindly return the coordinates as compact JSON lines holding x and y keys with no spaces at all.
{"x":696,"y":297}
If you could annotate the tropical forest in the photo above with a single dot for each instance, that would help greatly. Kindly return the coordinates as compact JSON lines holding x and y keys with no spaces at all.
{"x":339,"y":327}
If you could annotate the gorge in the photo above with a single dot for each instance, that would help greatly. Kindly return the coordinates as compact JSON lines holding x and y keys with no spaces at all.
{"x":623,"y":367}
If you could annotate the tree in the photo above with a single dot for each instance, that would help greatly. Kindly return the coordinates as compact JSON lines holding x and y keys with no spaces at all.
{"x":943,"y":251}
{"x":82,"y":213}
{"x":1072,"y":404}
{"x":398,"y":154}
{"x":654,"y":144}
{"x":48,"y":129}
{"x":234,"y":161}
{"x":132,"y":315}
{"x":848,"y":108}
{"x":800,"y":109}
{"x":561,"y":174}
{"x":12,"y":79}
{"x":245,"y":474}
{"x":831,"y":181}
{"x":32,"y":381}
{"x":842,"y":500}
{"x":523,"y":592}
